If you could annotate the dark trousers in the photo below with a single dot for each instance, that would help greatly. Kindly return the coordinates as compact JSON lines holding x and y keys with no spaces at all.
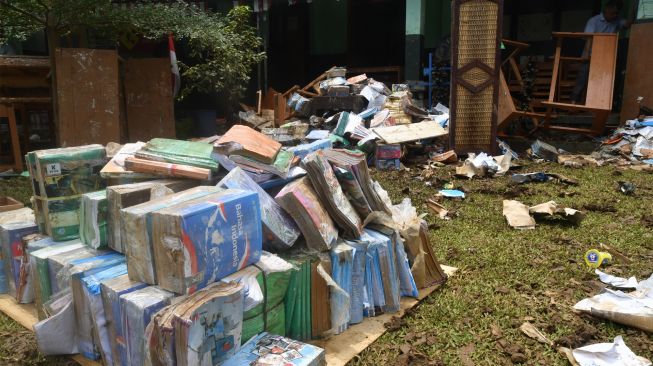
{"x":581,"y":82}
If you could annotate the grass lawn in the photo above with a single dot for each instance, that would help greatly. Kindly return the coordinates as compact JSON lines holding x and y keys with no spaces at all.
{"x":505,"y":276}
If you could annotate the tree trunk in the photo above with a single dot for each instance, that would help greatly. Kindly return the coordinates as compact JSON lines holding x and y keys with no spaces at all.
{"x":53,"y":43}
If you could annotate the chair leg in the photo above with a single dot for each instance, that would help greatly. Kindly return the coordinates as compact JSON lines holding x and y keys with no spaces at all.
{"x":8,"y":111}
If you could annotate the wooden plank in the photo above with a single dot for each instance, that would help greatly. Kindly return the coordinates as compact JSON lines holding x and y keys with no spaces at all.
{"x":149,"y":104}
{"x":87,"y":96}
{"x":639,"y":77}
{"x":27,"y":62}
{"x":344,"y":347}
{"x":410,"y":132}
{"x":35,"y":100}
{"x":602,"y":72}
{"x":166,"y":169}
{"x":507,"y":107}
{"x":556,"y":71}
{"x":25,"y":315}
{"x":7,"y":110}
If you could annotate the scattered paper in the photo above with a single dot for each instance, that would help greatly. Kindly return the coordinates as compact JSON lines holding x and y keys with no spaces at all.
{"x":518,"y":215}
{"x":634,"y":308}
{"x":608,"y":354}
{"x":438,"y":209}
{"x":616,"y":281}
{"x":452,"y":193}
{"x":532,"y":332}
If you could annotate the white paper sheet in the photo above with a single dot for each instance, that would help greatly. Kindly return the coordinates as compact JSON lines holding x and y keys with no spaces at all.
{"x":608,"y":354}
{"x":619,"y":282}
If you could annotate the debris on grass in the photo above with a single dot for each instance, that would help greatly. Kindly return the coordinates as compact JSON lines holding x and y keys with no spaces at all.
{"x":608,"y":354}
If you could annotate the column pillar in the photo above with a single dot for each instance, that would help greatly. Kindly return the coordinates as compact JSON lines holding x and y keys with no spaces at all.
{"x":415,"y":13}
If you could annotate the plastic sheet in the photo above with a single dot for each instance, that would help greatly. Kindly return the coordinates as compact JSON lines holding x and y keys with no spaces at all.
{"x":383,"y":253}
{"x":40,"y":273}
{"x":111,"y":290}
{"x":331,"y":195}
{"x":137,"y":308}
{"x":279,"y":230}
{"x":93,"y":219}
{"x":342,"y":257}
{"x":301,"y":202}
{"x":94,"y":342}
{"x":25,"y":281}
{"x":298,"y":300}
{"x":88,"y":341}
{"x":50,"y":332}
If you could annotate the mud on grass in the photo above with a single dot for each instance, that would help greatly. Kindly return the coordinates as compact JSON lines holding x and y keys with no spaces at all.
{"x":507,"y":276}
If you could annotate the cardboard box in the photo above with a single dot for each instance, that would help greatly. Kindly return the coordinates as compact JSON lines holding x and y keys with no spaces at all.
{"x":119,"y":197}
{"x":388,"y":151}
{"x":203,"y":240}
{"x":137,"y":229}
{"x":387,"y":164}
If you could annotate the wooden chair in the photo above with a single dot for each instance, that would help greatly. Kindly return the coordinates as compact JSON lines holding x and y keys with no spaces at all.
{"x":7,"y":111}
{"x":507,"y":110}
{"x":600,"y":86}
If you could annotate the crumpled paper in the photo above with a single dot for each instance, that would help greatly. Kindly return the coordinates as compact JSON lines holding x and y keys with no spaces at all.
{"x":614,"y":281}
{"x":608,"y":354}
{"x":634,"y":309}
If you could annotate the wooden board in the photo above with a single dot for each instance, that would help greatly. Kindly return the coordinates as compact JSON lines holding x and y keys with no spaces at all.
{"x":506,"y":104}
{"x":87,"y":96}
{"x":410,"y":132}
{"x":25,"y":315}
{"x":602,"y":72}
{"x":638,"y":77}
{"x":148,"y":99}
{"x":344,"y":347}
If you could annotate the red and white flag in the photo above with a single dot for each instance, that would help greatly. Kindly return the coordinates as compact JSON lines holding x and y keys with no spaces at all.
{"x":174,"y":68}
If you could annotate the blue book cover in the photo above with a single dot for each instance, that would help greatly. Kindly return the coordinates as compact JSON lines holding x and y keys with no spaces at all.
{"x":137,"y":309}
{"x":111,"y":292}
{"x":273,"y":350}
{"x":383,"y":250}
{"x":279,"y":230}
{"x":83,"y":269}
{"x":93,"y":342}
{"x":204,"y":240}
{"x":11,"y":236}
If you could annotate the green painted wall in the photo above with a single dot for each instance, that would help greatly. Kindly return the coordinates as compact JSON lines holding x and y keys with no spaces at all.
{"x":328,"y":27}
{"x":415,"y":16}
{"x":437,"y":23}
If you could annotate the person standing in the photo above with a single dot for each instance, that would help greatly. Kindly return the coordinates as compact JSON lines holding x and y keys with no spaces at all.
{"x":608,"y":21}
